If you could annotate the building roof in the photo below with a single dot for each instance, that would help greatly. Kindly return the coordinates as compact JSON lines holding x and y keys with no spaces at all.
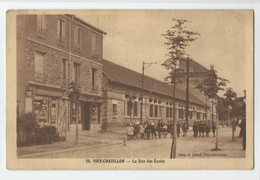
{"x":125,"y":76}
{"x":194,"y":66}
{"x":85,"y":23}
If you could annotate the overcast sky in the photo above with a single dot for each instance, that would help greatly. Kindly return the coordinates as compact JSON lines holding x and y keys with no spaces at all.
{"x":135,"y":36}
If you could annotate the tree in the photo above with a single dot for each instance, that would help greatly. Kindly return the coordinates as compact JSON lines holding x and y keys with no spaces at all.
{"x":177,"y":39}
{"x":74,"y":94}
{"x":221,"y":108}
{"x":210,"y":87}
{"x":230,"y":103}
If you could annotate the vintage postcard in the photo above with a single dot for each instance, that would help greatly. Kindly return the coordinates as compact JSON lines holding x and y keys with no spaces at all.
{"x":130,"y":89}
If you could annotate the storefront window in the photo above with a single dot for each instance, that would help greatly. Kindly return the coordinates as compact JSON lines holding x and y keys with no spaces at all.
{"x":41,"y":110}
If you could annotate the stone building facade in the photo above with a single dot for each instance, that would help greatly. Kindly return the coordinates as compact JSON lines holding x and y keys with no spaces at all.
{"x":123,"y":98}
{"x":52,"y":52}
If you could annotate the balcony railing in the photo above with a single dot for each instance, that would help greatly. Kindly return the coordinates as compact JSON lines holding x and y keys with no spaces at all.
{"x":40,"y":77}
{"x":41,"y":32}
{"x":94,"y":88}
{"x":77,"y":46}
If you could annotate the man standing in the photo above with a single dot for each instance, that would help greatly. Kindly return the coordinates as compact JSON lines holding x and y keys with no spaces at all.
{"x":195,"y":129}
{"x":201,"y":129}
{"x":213,"y":129}
{"x":159,"y":128}
{"x":178,"y":129}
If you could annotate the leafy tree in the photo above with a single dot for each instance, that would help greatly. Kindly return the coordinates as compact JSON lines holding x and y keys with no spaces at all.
{"x":221,"y":108}
{"x":177,"y":39}
{"x":230,"y":97}
{"x":212,"y":84}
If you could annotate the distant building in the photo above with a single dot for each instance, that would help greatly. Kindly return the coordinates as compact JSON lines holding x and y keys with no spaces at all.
{"x":194,"y":81}
{"x":53,"y":51}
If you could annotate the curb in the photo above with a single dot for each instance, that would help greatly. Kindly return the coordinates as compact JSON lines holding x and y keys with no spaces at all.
{"x":64,"y":150}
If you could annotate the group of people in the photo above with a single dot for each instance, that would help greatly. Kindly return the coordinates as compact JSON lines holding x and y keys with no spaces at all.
{"x":148,"y":130}
{"x":203,"y":128}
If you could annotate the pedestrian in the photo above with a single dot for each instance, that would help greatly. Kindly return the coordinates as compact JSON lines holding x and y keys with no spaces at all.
{"x":136,"y":130}
{"x":201,"y":129}
{"x":178,"y":129}
{"x":184,"y":130}
{"x":164,"y":130}
{"x":148,"y":130}
{"x":159,"y":128}
{"x":169,"y":126}
{"x":141,"y":131}
{"x":195,"y":129}
{"x":213,"y":129}
{"x":243,"y":132}
{"x":129,"y":131}
{"x":207,"y":129}
{"x":152,"y":128}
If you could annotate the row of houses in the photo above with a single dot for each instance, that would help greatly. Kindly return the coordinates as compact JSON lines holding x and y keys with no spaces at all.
{"x":55,"y":50}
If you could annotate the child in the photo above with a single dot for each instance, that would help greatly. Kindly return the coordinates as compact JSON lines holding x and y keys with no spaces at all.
{"x":152,"y":127}
{"x":164,"y":130}
{"x":141,"y":131}
{"x":129,"y":131}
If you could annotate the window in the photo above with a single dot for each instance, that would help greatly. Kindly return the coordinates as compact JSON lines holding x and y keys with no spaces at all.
{"x":114,"y":110}
{"x":198,"y":115}
{"x":167,"y":112}
{"x":94,"y":46}
{"x":64,"y":71}
{"x":180,"y":113}
{"x":40,"y":67}
{"x":190,"y":114}
{"x":76,"y":74}
{"x":135,"y":109}
{"x":129,"y":108}
{"x":160,"y":111}
{"x":151,"y":110}
{"x":94,"y":79}
{"x":171,"y":112}
{"x":156,"y":111}
{"x":77,"y":38}
{"x":41,"y":26}
{"x":61,"y":31}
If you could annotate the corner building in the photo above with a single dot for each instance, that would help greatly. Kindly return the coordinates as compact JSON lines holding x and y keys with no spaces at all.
{"x":52,"y":52}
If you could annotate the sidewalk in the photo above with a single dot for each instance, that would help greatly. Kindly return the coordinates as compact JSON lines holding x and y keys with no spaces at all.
{"x":86,"y":139}
{"x":228,"y":149}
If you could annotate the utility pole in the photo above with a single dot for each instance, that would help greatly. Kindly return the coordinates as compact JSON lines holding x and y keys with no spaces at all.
{"x":142,"y":94}
{"x":187,"y":94}
{"x":142,"y":102}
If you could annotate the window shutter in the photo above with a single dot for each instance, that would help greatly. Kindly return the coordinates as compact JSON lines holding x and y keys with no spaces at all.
{"x":38,"y":20}
{"x":79,"y":79}
{"x":93,"y":44}
{"x":75,"y":34}
{"x":63,"y":28}
{"x":58,"y":29}
{"x":79,"y":36}
{"x":43,"y":21}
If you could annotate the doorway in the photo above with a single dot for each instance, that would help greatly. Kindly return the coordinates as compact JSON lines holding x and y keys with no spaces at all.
{"x":86,"y":116}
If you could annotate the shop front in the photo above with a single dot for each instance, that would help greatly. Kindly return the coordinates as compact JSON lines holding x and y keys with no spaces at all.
{"x":88,"y":114}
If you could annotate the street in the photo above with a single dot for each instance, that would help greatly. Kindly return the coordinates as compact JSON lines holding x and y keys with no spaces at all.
{"x":160,"y":148}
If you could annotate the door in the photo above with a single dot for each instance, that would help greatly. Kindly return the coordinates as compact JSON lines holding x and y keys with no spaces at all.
{"x":86,"y":116}
{"x":53,"y":119}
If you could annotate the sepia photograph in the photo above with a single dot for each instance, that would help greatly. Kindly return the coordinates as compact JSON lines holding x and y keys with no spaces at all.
{"x":130,"y":89}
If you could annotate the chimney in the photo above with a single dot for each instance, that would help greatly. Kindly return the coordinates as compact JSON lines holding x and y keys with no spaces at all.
{"x":211,"y":67}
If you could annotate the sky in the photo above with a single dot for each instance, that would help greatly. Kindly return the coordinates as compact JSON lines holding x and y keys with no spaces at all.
{"x":134,"y":36}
